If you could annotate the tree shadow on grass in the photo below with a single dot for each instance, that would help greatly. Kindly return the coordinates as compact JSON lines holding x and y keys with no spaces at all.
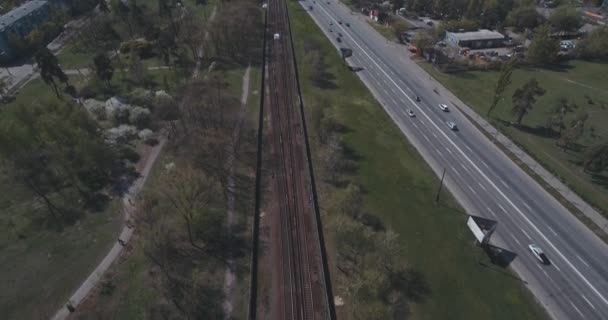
{"x":600,"y":180}
{"x":539,"y":131}
{"x":325,"y":81}
{"x":411,"y":283}
{"x":465,"y":75}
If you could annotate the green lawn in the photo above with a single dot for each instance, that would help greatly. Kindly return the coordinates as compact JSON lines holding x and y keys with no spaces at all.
{"x":71,"y":58}
{"x":40,"y":266}
{"x":400,"y":188}
{"x":581,"y":82}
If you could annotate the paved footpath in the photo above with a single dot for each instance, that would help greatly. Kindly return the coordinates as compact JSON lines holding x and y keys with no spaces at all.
{"x":124,"y":237}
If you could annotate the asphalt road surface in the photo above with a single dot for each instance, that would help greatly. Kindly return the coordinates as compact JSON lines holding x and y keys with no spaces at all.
{"x":482,"y":178}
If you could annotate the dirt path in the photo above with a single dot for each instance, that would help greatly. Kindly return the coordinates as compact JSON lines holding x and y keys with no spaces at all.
{"x":230,"y":277}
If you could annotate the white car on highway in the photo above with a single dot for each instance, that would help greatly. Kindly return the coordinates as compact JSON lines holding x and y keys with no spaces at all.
{"x":452,"y":125}
{"x":410,"y":113}
{"x":444,"y":107}
{"x":538,"y":253}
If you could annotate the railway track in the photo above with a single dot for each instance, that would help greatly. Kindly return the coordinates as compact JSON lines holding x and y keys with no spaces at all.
{"x":302,"y":293}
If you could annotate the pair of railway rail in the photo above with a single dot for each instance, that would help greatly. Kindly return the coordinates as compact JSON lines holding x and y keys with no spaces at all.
{"x":306,"y":293}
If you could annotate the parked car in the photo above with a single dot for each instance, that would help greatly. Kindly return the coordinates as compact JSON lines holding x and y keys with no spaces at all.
{"x":452,"y":125}
{"x":443,"y":107}
{"x":538,"y":253}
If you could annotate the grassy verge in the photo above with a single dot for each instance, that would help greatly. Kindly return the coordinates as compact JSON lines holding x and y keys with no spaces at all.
{"x":399,"y":188}
{"x":385,"y":31}
{"x":579,"y":82}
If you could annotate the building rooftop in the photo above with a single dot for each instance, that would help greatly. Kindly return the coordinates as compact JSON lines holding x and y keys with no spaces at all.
{"x":482,"y":34}
{"x":10,"y":17}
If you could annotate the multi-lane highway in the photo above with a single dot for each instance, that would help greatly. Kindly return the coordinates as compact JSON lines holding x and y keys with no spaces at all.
{"x":484,"y":180}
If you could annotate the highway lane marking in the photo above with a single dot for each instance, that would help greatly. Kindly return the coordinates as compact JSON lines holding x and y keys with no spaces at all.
{"x":556,"y":267}
{"x":527,"y":235}
{"x":501,"y":207}
{"x":552,"y":231}
{"x":473,"y":191}
{"x":527,"y":206}
{"x":434,"y":135}
{"x":543,"y":270}
{"x":476,"y":167}
{"x":583,"y":261}
{"x":491,"y":212}
{"x":577,"y":309}
{"x":458,"y":174}
{"x":589,"y":302}
{"x":463,"y":167}
{"x":485,"y":164}
{"x":481,"y":185}
{"x":504,"y":183}
{"x":426,"y":138}
{"x":468,"y":148}
{"x":515,"y":239}
{"x":448,"y":149}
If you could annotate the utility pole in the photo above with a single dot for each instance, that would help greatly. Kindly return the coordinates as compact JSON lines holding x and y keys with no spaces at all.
{"x":440,"y":185}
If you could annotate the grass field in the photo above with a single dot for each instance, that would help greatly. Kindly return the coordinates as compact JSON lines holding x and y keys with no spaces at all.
{"x":400,"y":189}
{"x":41,"y":266}
{"x":579,"y":81}
{"x":387,"y":32}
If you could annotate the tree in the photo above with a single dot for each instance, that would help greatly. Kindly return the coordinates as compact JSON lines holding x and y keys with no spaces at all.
{"x":543,"y":49}
{"x":399,"y":28}
{"x":504,"y":80}
{"x":596,"y":158}
{"x":556,"y":120}
{"x":50,"y":69}
{"x":595,"y":45}
{"x":103,"y":6}
{"x":53,"y":148}
{"x":565,"y":18}
{"x":192,"y":195}
{"x":103,"y":68}
{"x":525,"y":17}
{"x":524,"y":98}
{"x":570,"y":135}
{"x":3,"y":86}
{"x":35,"y":38}
{"x":422,"y":41}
